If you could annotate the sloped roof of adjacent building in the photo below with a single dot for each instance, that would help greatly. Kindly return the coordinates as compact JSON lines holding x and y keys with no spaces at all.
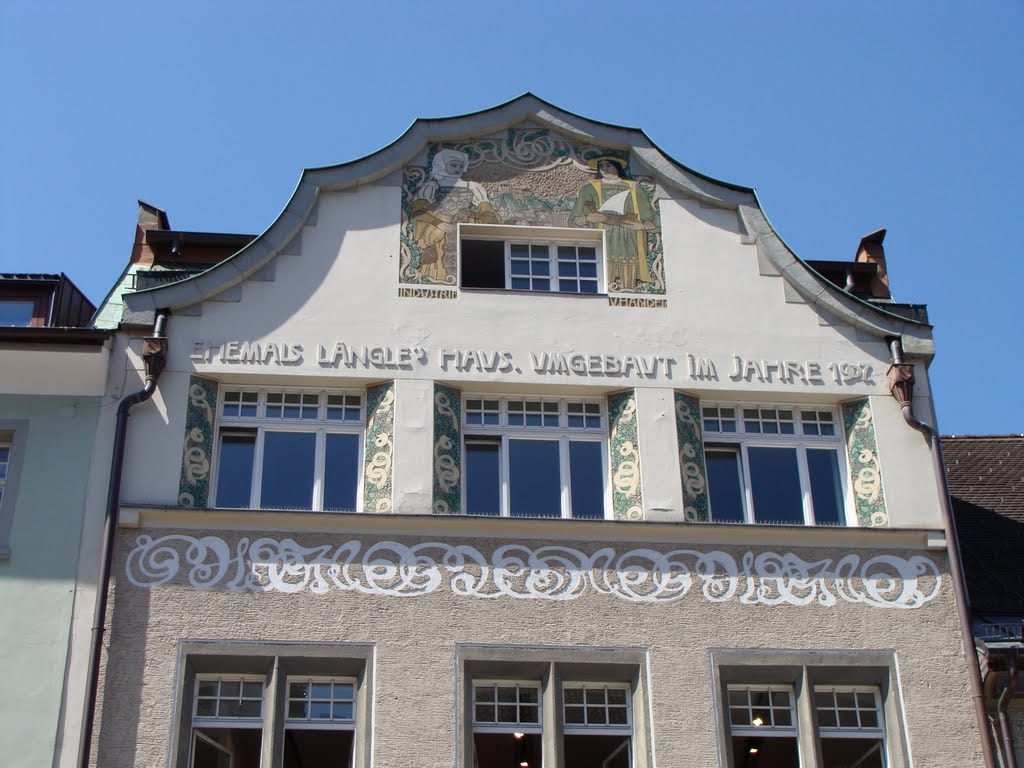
{"x":986,"y":483}
{"x":754,"y":224}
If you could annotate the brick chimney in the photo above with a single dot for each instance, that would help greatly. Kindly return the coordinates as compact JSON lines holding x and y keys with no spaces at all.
{"x":871,"y":251}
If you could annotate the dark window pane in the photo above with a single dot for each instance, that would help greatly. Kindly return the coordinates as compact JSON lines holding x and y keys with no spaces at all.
{"x":589,"y":287}
{"x":234,"y":475}
{"x":504,"y":750}
{"x":542,"y":285}
{"x":521,"y":283}
{"x":483,"y":479}
{"x":864,"y":753}
{"x":765,"y":752}
{"x":592,"y":750}
{"x":725,"y":486}
{"x":567,"y":269}
{"x":312,"y":748}
{"x":288,"y":470}
{"x":568,"y":286}
{"x":483,"y":264}
{"x":534,"y":480}
{"x":585,"y":479}
{"x":775,"y":480}
{"x":341,"y":472}
{"x":826,"y":490}
{"x":16,"y":313}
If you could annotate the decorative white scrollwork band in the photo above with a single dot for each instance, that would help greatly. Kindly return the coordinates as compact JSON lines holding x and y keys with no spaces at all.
{"x":518,"y":571}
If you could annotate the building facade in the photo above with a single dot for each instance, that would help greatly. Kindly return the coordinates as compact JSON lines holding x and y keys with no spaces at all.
{"x":53,"y":381}
{"x":518,"y":443}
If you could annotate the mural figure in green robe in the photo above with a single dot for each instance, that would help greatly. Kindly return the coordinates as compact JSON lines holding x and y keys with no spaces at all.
{"x":623,"y":209}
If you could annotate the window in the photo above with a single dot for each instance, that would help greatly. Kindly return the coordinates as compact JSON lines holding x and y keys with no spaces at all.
{"x":5,"y":462}
{"x":774,"y":464}
{"x":23,"y":310}
{"x":545,"y":707}
{"x":534,"y":457}
{"x":829,"y":709}
{"x":284,"y":449}
{"x":265,"y":704}
{"x":527,"y":259}
{"x":13,"y":439}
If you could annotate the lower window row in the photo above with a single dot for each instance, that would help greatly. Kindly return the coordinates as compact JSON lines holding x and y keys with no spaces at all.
{"x":588,"y":710}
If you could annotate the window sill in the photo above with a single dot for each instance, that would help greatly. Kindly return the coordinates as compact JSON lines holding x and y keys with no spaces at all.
{"x":544,"y":528}
{"x":521,"y":292}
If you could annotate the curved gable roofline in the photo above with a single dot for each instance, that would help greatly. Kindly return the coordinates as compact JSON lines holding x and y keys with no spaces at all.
{"x":424,"y":131}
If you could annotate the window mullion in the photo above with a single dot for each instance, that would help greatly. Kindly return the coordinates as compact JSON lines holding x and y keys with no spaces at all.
{"x":563,"y":475}
{"x":748,"y":490}
{"x":503,"y":465}
{"x":805,"y":484}
{"x":319,"y":468}
{"x":257,"y":469}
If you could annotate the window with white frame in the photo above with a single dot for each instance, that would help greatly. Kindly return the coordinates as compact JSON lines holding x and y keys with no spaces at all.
{"x":763,"y":727}
{"x":597,"y":725}
{"x":531,"y":259}
{"x":279,"y":705}
{"x":320,"y":719}
{"x":850,"y":725}
{"x":534,"y":456}
{"x":227,"y":721}
{"x":289,"y":449}
{"x":774,"y":464}
{"x":507,"y":723}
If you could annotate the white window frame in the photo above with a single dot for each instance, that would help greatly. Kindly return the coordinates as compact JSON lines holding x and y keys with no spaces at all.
{"x":499,"y":727}
{"x":743,"y":441}
{"x":552,"y":237}
{"x":768,"y":731}
{"x":562,"y":433}
{"x":216,"y":721}
{"x":310,"y":724}
{"x":859,"y":732}
{"x":261,"y":424}
{"x":583,"y":729}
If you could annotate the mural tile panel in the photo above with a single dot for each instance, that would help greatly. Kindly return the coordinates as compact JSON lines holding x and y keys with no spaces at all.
{"x":379,"y":451}
{"x":447,"y":450}
{"x":865,"y":468}
{"x":624,"y":459}
{"x":692,"y":465}
{"x":194,"y":482}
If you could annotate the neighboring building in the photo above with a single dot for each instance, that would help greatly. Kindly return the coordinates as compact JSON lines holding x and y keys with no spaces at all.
{"x":986,"y":483}
{"x":520,"y":442}
{"x":53,"y":376}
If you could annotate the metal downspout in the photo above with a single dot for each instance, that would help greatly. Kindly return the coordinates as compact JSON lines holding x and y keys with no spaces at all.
{"x":1009,"y":755}
{"x":155,"y":356}
{"x":902,"y":386}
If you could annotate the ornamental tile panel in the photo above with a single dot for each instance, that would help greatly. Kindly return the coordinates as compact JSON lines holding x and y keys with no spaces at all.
{"x":624,"y":459}
{"x":692,"y":466}
{"x":194,"y":482}
{"x":865,"y":468}
{"x":447,"y":499}
{"x":379,"y":451}
{"x":529,"y":176}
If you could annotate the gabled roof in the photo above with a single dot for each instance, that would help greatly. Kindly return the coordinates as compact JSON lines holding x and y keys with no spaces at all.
{"x":813,"y":288}
{"x":986,"y":483}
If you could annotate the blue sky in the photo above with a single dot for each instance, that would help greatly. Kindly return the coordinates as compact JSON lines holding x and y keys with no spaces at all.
{"x":846,"y":117}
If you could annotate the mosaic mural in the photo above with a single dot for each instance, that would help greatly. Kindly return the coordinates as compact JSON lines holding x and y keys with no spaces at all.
{"x":194,"y":482}
{"x":530,"y":177}
{"x":623,"y":447}
{"x":865,"y":469}
{"x":380,"y":435}
{"x":518,"y":571}
{"x":447,"y":498}
{"x":692,"y":466}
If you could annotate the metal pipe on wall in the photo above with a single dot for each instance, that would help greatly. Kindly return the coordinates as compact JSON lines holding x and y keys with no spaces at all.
{"x":901,"y":387}
{"x":155,"y":355}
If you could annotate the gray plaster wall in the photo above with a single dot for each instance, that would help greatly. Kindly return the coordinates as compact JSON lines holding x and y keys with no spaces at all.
{"x":414,"y":697}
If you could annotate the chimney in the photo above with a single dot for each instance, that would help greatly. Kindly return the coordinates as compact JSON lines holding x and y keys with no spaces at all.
{"x":150,"y":217}
{"x":871,"y":251}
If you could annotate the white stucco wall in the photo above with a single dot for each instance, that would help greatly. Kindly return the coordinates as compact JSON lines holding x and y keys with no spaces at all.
{"x":342,"y":285}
